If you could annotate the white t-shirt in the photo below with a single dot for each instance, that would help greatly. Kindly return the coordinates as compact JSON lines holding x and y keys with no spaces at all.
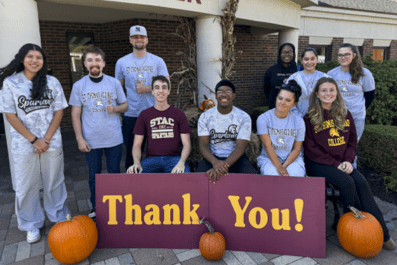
{"x":99,"y":128}
{"x":131,"y":68}
{"x":354,"y":93}
{"x":283,"y":132}
{"x":36,"y":115}
{"x":307,"y":82}
{"x":224,"y":129}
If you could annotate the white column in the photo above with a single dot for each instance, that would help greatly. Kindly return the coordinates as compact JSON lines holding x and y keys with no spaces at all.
{"x":19,"y":24}
{"x":291,"y":36}
{"x":209,"y":51}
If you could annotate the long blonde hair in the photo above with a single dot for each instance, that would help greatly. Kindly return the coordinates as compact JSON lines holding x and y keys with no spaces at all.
{"x":338,"y":108}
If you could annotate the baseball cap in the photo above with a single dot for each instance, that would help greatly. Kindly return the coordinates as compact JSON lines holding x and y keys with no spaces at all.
{"x":138,"y":30}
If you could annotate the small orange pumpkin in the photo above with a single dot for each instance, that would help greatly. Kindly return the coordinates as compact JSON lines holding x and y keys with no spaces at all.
{"x":207,"y":104}
{"x":212,"y":245}
{"x":360,"y":234}
{"x":73,"y":240}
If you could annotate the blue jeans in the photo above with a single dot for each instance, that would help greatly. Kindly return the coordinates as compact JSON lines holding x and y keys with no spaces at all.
{"x":128,"y":137}
{"x":161,"y":164}
{"x":94,"y":161}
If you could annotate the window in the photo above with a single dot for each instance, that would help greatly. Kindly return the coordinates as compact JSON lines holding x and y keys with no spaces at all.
{"x":323,"y":51}
{"x":77,"y":42}
{"x":380,"y":53}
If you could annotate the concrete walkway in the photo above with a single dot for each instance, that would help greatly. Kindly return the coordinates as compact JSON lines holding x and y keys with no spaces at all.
{"x":15,"y":250}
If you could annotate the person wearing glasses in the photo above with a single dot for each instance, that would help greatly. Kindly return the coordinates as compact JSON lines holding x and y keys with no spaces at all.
{"x":278,"y":74}
{"x":224,"y":132}
{"x":306,"y":79}
{"x":282,"y":133}
{"x":356,"y":84}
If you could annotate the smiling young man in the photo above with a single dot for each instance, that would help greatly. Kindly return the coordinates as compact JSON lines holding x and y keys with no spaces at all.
{"x":97,"y":100}
{"x":135,"y":71}
{"x":164,"y":126}
{"x":224,"y":132}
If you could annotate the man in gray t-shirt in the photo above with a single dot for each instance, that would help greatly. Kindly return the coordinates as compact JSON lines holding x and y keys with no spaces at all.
{"x":135,"y":71}
{"x":224,"y":132}
{"x":97,"y":101}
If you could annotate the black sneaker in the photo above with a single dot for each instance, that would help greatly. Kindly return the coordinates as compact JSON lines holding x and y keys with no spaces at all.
{"x":92,"y":215}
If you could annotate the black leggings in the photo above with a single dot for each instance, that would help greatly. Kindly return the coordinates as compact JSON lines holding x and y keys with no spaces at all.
{"x":353,"y":187}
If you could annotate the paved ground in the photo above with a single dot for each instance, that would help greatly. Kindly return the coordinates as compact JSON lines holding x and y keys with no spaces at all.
{"x":15,"y":250}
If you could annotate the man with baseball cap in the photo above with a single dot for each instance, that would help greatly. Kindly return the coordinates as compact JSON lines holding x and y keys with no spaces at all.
{"x":135,"y":72}
{"x":224,"y":132}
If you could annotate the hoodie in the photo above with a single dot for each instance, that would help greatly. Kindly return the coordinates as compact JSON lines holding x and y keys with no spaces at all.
{"x":277,"y":75}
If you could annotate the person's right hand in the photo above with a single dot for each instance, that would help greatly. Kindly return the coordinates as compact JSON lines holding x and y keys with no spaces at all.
{"x":135,"y":169}
{"x":41,"y":146}
{"x":83,"y":146}
{"x":282,"y":171}
{"x":221,"y":167}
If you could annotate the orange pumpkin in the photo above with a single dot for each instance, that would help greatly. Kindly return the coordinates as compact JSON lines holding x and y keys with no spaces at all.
{"x":73,"y":240}
{"x":212,"y":245}
{"x":360,"y":234}
{"x":207,"y":104}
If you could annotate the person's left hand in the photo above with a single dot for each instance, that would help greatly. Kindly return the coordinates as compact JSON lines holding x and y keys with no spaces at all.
{"x":213,"y":175}
{"x":179,"y":168}
{"x":110,"y":107}
{"x":347,"y":167}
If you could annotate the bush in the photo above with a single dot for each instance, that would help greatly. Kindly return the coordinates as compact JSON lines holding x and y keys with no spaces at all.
{"x":378,"y":147}
{"x":391,"y":181}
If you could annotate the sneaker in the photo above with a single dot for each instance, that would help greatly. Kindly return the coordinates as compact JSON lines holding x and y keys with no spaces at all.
{"x":33,"y":236}
{"x":92,"y":215}
{"x":389,"y":245}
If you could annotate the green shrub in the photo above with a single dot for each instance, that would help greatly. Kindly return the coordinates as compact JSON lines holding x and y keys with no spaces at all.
{"x":325,"y":67}
{"x":391,"y":181}
{"x":378,"y":147}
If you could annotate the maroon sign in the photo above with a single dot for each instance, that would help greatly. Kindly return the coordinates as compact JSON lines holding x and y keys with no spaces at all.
{"x":267,"y":214}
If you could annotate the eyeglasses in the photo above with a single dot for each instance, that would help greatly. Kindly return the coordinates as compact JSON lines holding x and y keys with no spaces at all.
{"x":287,"y":53}
{"x":346,"y":55}
{"x":227,"y":92}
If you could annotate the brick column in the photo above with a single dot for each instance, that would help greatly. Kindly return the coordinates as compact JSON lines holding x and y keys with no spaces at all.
{"x":336,"y":43}
{"x":393,"y":50}
{"x":19,"y":24}
{"x":303,"y":44}
{"x":367,"y":47}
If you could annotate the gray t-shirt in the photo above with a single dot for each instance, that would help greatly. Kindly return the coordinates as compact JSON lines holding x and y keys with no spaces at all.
{"x":283,"y":132}
{"x":99,"y":128}
{"x":354,"y":93}
{"x":307,"y":83}
{"x":36,"y":115}
{"x":131,"y":68}
{"x":224,"y":129}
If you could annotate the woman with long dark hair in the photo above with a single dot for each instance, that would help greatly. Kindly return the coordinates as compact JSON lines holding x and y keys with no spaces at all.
{"x":355,"y":82}
{"x":33,"y":104}
{"x":282,"y":133}
{"x":330,"y":147}
{"x":306,"y":79}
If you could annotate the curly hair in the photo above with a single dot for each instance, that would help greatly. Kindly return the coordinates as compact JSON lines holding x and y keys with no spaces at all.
{"x":338,"y":108}
{"x":39,"y":81}
{"x":356,"y":67}
{"x":293,"y":87}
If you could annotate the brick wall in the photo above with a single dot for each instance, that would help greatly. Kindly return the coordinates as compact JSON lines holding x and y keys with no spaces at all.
{"x":336,"y":42}
{"x":303,"y":44}
{"x":259,"y":53}
{"x":393,"y":50}
{"x":367,"y":47}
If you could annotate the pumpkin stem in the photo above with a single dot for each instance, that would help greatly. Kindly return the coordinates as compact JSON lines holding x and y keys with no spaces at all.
{"x":357,"y":213}
{"x":209,"y":226}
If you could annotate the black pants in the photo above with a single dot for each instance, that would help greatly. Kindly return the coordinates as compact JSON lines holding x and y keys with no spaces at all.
{"x":128,"y":137}
{"x":353,"y":187}
{"x":242,"y":165}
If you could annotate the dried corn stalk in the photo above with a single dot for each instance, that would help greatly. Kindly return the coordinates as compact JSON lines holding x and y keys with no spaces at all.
{"x":186,"y":76}
{"x":228,"y":52}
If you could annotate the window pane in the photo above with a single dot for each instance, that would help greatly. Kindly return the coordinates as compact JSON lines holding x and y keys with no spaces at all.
{"x":77,"y":42}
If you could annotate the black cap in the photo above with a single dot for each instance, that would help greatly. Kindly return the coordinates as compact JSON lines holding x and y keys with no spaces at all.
{"x":227,"y":83}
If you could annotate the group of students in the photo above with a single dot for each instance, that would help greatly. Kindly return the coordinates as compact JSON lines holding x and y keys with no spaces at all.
{"x":333,"y":108}
{"x":312,"y":128}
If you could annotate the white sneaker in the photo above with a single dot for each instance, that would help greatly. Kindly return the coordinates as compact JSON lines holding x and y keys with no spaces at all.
{"x":92,"y":215}
{"x":33,"y":236}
